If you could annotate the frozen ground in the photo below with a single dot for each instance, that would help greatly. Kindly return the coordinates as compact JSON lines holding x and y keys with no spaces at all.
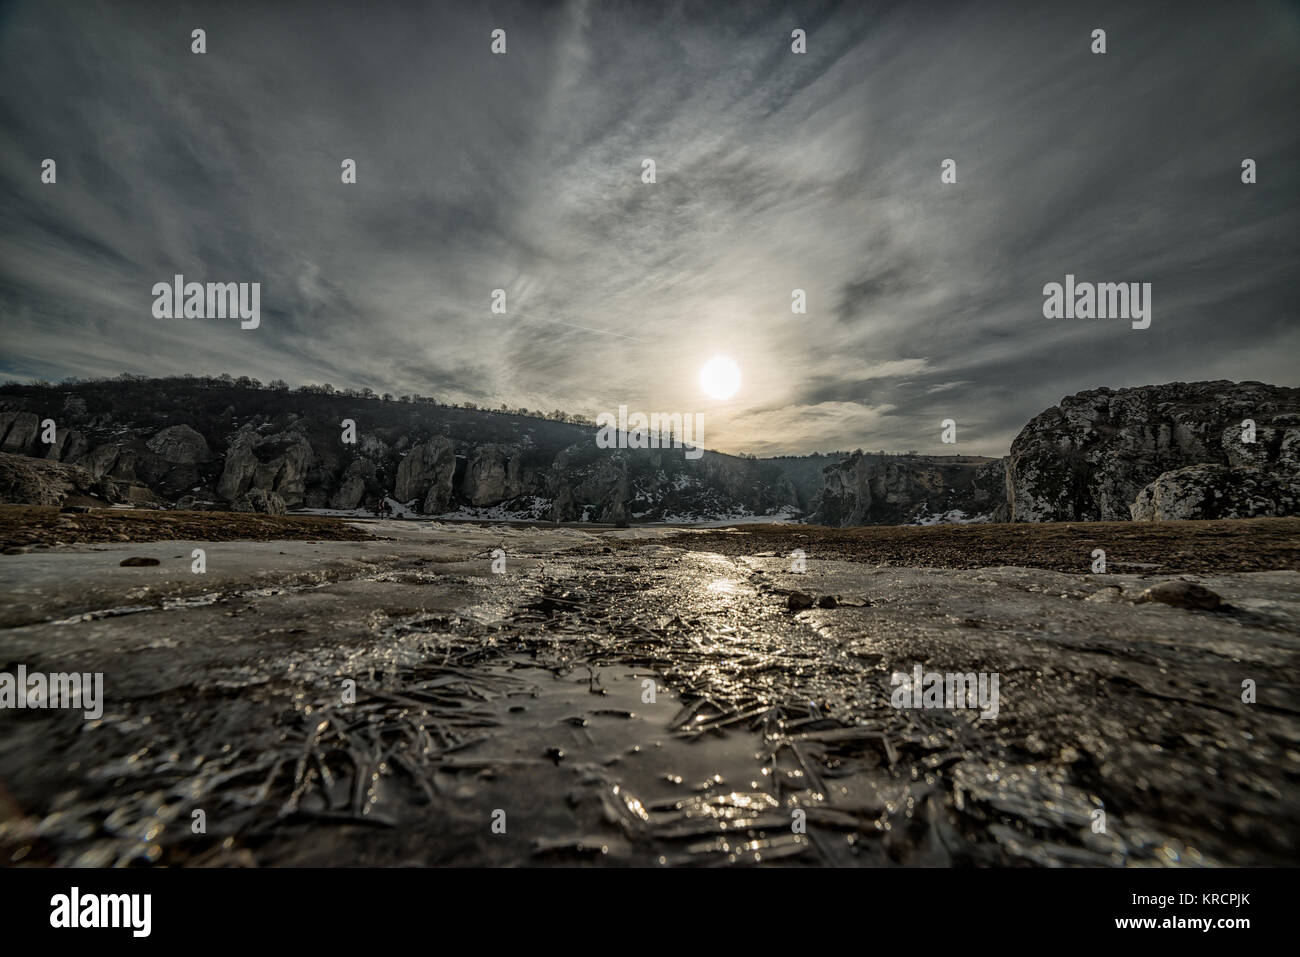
{"x":524,"y":699}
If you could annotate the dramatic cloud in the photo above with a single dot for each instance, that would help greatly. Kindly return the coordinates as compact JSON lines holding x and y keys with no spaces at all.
{"x":775,"y":171}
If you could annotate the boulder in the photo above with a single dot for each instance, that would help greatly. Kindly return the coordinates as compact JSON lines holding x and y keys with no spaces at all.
{"x":1181,"y":594}
{"x":1089,"y":457}
{"x":25,"y":480}
{"x":1217,"y":491}
{"x":180,"y":445}
{"x":110,"y":459}
{"x":133,"y":493}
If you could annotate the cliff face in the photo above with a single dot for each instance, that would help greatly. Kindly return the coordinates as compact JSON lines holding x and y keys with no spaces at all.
{"x":178,"y":441}
{"x":897,"y":490}
{"x":1092,"y":456}
{"x":1176,"y":451}
{"x":1181,"y":450}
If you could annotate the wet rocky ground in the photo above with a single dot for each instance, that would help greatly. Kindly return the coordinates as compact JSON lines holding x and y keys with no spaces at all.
{"x":646,"y":697}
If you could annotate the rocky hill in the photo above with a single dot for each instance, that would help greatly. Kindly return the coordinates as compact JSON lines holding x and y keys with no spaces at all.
{"x":1182,"y":450}
{"x":1176,"y":451}
{"x":207,"y":443}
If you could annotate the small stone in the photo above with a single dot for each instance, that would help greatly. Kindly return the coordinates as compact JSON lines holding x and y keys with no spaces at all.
{"x":1181,"y":594}
{"x":827,"y":601}
{"x":1111,"y":593}
{"x":798,"y":600}
{"x":136,"y":561}
{"x":555,"y":754}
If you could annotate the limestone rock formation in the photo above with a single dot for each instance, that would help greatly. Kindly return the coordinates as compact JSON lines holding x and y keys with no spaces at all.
{"x":20,"y":432}
{"x":1218,"y":491}
{"x":275,"y":463}
{"x":1089,"y":457}
{"x":180,"y":445}
{"x":352,"y":486}
{"x":426,"y":475}
{"x":895,"y":489}
{"x":109,"y":459}
{"x":69,"y":445}
{"x":990,"y":489}
{"x":1101,"y":454}
{"x":494,"y":474}
{"x":587,"y":487}
{"x":25,"y":480}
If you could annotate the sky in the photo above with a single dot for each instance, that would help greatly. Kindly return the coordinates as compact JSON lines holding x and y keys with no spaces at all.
{"x":774,"y":171}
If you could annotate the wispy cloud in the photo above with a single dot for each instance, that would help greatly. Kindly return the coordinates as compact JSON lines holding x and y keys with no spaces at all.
{"x":774,"y":172}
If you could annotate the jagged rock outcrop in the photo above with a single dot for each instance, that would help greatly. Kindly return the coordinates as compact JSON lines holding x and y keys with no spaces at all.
{"x":373,"y":447}
{"x":1089,"y":457}
{"x":111,"y":458}
{"x":493,"y":474}
{"x":69,"y":445}
{"x":587,"y":487}
{"x":25,"y":480}
{"x":353,"y":485}
{"x":1276,"y":445}
{"x":126,"y":476}
{"x":427,"y":474}
{"x":866,"y":490}
{"x":240,"y":465}
{"x":274,"y":463}
{"x":740,"y":480}
{"x":893,"y":489}
{"x":666,"y":486}
{"x":180,"y":445}
{"x":990,"y":490}
{"x":237,"y":438}
{"x":1217,"y":491}
{"x":19,"y":432}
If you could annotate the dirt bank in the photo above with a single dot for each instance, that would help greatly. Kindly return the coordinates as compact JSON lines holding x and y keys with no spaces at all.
{"x":1240,"y":545}
{"x":27,"y":525}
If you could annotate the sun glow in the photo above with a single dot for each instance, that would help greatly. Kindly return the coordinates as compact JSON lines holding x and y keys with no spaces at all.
{"x":720,"y":378}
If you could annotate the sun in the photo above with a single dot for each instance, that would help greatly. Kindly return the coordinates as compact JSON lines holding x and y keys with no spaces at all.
{"x":720,"y":378}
